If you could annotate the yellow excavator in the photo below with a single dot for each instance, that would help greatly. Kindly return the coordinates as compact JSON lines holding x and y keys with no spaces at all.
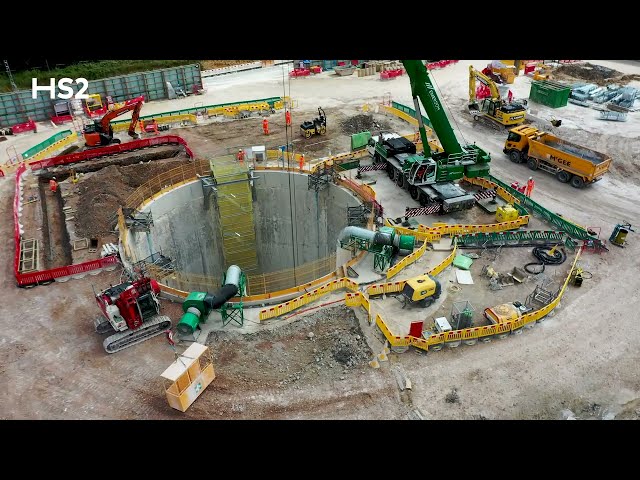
{"x":494,"y":108}
{"x":421,"y":291}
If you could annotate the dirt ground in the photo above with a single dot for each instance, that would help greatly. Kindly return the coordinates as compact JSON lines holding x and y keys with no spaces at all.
{"x":316,"y":367}
{"x":583,"y":359}
{"x":227,"y":136}
{"x":589,"y":72}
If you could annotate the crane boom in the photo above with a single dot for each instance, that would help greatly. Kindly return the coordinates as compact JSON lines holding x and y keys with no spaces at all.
{"x":422,"y":88}
{"x":430,"y":176}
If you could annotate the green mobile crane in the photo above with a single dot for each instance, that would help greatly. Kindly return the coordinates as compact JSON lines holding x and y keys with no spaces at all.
{"x":429,"y":176}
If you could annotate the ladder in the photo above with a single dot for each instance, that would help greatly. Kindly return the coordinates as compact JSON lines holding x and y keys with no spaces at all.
{"x":29,"y":255}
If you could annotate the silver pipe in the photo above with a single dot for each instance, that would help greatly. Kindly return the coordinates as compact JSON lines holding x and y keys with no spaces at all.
{"x":233,"y":276}
{"x":356,"y":232}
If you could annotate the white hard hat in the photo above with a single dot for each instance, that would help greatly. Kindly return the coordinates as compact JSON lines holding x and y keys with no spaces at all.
{"x":530,"y":178}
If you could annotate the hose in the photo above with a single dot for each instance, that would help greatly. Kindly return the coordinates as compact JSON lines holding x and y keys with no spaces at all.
{"x":542,"y":254}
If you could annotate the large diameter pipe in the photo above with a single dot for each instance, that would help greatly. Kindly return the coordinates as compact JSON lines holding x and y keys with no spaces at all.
{"x":383,"y":238}
{"x":233,"y":276}
{"x":189,"y":321}
{"x":356,"y":232}
{"x":216,"y":300}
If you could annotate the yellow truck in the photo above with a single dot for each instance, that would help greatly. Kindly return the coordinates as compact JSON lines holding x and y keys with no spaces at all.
{"x":567,"y":161}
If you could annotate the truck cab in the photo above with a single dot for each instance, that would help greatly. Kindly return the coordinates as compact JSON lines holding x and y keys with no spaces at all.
{"x":517,"y":143}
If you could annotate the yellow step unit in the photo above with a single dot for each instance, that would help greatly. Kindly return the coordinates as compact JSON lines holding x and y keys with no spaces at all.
{"x":506,"y":213}
{"x":188,"y":376}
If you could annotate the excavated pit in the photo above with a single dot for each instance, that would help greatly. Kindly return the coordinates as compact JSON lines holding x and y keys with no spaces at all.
{"x":296,"y":231}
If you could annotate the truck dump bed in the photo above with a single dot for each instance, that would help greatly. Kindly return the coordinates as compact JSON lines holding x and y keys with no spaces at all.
{"x":584,"y":162}
{"x":573,"y":149}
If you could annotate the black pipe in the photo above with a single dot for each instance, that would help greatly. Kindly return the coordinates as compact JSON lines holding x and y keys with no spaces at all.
{"x":542,"y":254}
{"x":216,"y":300}
{"x":382,"y":239}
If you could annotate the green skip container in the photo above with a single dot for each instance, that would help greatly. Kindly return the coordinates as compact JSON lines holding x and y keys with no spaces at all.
{"x":551,"y":94}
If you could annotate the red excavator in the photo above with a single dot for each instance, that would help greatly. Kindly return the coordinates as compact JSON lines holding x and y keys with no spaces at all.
{"x":131,"y":312}
{"x":100,"y":132}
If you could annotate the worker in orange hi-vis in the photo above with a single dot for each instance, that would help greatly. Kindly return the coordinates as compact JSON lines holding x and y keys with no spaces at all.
{"x":530,"y":185}
{"x":287,"y":117}
{"x":53,"y":185}
{"x":265,"y":126}
{"x":301,"y":162}
{"x":240,"y":155}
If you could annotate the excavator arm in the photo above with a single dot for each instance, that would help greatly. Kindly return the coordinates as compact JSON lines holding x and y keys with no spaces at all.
{"x":423,"y":89}
{"x":473,"y":74}
{"x":134,"y":120}
{"x":135,"y":106}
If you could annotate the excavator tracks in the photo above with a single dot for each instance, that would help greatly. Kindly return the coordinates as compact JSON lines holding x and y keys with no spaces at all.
{"x":128,"y":338}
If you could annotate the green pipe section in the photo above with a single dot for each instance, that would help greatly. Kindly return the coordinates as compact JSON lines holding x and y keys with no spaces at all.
{"x":407,"y":242}
{"x":188,"y":323}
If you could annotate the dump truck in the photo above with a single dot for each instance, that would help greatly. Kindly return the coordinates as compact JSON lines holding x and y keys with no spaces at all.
{"x":569,"y":162}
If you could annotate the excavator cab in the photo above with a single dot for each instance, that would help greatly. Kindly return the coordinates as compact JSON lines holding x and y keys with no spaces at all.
{"x":95,"y":137}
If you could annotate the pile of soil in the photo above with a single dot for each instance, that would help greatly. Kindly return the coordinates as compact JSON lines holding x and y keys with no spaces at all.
{"x":324,"y":347}
{"x":101,"y":193}
{"x":586,"y":71}
{"x":360,"y":123}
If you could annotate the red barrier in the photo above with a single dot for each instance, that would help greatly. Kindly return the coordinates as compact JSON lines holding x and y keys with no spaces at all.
{"x":440,"y":64}
{"x":24,"y":127}
{"x":110,"y":150}
{"x":32,"y":278}
{"x":61,"y":119}
{"x":300,"y":72}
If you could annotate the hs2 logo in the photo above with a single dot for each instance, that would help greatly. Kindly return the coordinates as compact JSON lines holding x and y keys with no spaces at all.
{"x":63,"y":86}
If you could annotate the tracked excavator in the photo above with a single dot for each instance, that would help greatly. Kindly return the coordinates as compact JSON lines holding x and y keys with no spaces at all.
{"x":131,"y":312}
{"x":100,"y":132}
{"x":494,"y":109}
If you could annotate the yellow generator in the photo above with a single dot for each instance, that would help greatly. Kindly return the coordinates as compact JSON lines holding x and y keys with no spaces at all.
{"x":421,"y":291}
{"x":506,"y":213}
{"x":507,"y":312}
